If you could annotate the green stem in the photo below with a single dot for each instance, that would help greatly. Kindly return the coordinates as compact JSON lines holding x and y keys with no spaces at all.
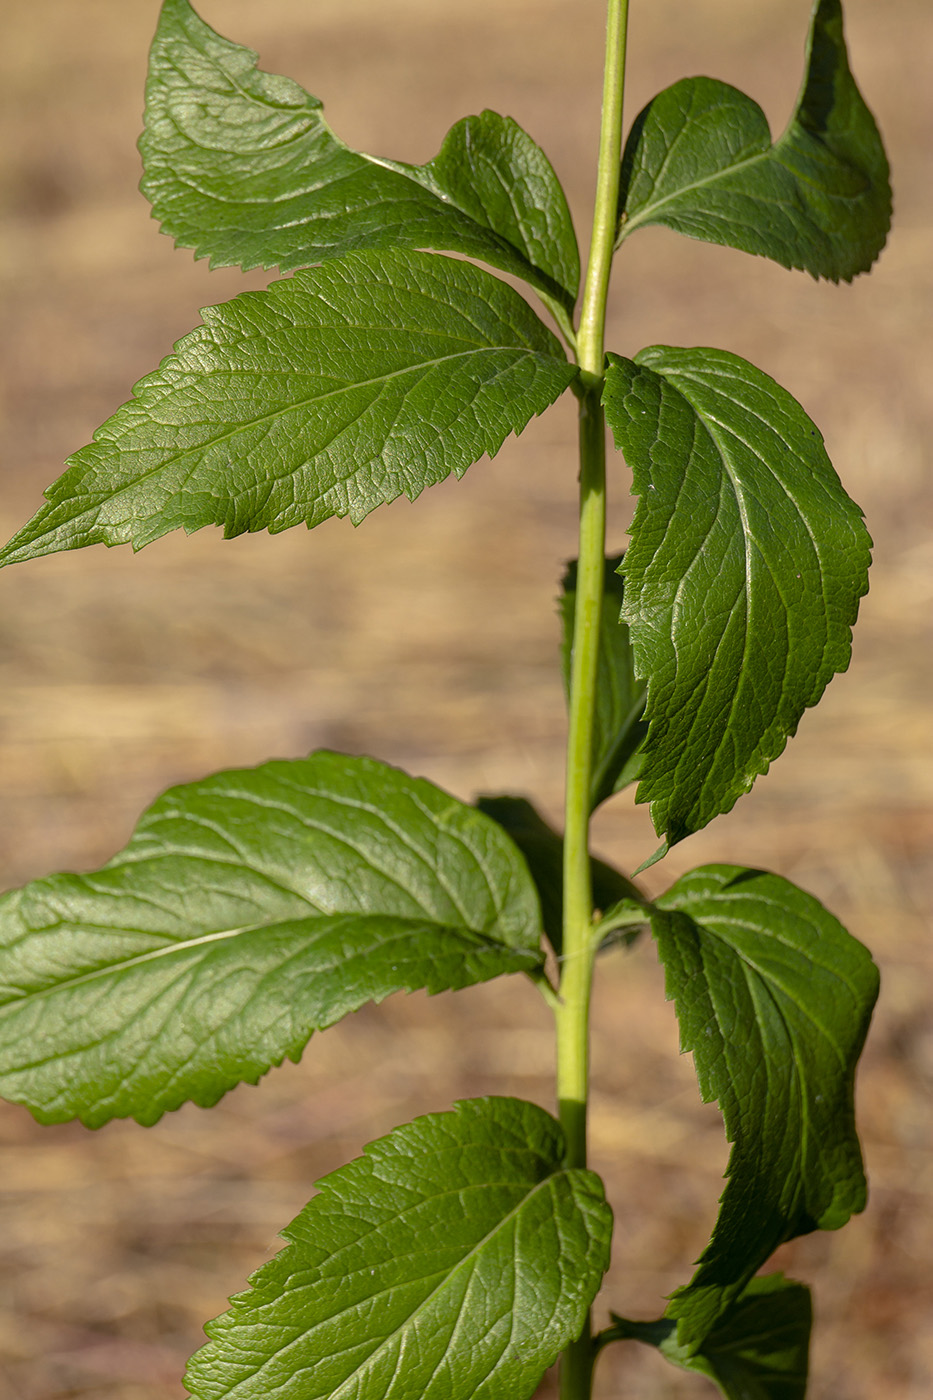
{"x":579,"y":943}
{"x":578,"y":940}
{"x":606,"y":211}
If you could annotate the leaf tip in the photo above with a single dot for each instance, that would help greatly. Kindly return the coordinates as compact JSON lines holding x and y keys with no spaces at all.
{"x":659,"y":854}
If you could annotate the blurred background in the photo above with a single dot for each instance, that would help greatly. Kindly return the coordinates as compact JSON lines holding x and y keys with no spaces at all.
{"x":428,"y":637}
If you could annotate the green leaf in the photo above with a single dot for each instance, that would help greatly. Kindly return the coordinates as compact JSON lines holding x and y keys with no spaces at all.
{"x":241,"y":166}
{"x":247,"y":911}
{"x":774,"y":1000}
{"x":330,"y":393}
{"x":618,"y":729}
{"x":543,"y":849}
{"x":743,"y":577}
{"x":699,"y":159}
{"x":760,"y":1351}
{"x":452,"y":1262}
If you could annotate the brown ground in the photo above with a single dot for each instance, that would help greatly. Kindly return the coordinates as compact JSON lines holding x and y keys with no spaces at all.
{"x":428,"y":638}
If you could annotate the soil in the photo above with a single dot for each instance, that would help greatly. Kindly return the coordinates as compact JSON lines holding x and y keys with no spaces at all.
{"x":428,"y":637}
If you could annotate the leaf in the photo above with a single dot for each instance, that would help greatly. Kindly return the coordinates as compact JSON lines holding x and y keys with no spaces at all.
{"x":241,"y":166}
{"x":247,"y":911}
{"x":330,"y":393}
{"x":774,"y":1000}
{"x":618,"y":729}
{"x":543,"y":849}
{"x":699,"y":159}
{"x":760,"y":1351}
{"x":743,"y":577}
{"x":455,"y":1259}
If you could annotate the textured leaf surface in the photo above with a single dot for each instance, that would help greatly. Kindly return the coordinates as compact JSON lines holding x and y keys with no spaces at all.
{"x":247,"y":911}
{"x":330,"y":393}
{"x":241,"y":166}
{"x":759,"y":1352}
{"x":452,"y":1261}
{"x":773,"y":999}
{"x":618,"y":728}
{"x":543,"y":849}
{"x":743,"y":577}
{"x":700,"y":160}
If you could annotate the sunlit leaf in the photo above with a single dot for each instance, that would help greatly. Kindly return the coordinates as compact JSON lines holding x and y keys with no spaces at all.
{"x":334,"y":391}
{"x":743,"y":577}
{"x":452,"y":1262}
{"x":247,"y":911}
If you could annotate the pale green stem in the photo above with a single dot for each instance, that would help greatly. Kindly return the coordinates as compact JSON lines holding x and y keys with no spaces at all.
{"x":605,"y":214}
{"x":578,"y":939}
{"x":579,"y":943}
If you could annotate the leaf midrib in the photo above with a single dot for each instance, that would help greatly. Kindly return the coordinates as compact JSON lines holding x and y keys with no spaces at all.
{"x":201,"y":940}
{"x":705,"y":424}
{"x":110,"y":444}
{"x":773,"y":153}
{"x":650,"y":210}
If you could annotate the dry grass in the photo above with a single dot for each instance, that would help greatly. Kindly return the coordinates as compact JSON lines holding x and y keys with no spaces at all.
{"x":428,"y":638}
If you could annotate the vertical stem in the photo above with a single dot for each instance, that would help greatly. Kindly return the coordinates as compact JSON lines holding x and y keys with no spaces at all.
{"x":578,"y":950}
{"x":572,"y":1015}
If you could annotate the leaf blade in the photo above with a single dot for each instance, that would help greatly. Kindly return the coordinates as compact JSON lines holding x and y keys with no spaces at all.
{"x":247,"y":911}
{"x":482,"y":1251}
{"x":700,"y":160}
{"x":241,"y":166}
{"x":774,"y":1000}
{"x":743,"y":578}
{"x":332,"y":392}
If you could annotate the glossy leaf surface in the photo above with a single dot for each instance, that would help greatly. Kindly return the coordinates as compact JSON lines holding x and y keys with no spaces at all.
{"x":700,"y":160}
{"x":760,"y":1351}
{"x":241,"y":166}
{"x":543,"y":849}
{"x":618,"y":729}
{"x":451,"y":1262}
{"x":773,"y":998}
{"x":743,"y":577}
{"x":332,"y":392}
{"x":247,"y":911}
